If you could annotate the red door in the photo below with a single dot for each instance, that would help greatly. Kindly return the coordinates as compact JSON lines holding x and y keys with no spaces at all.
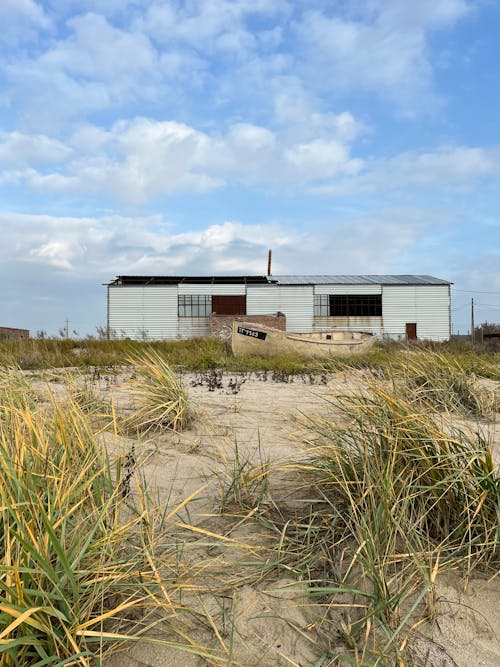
{"x":229,"y":305}
{"x":411,"y":331}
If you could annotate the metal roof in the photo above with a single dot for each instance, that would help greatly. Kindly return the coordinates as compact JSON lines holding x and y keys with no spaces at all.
{"x":358,"y":280}
{"x":193,"y":280}
{"x":281,"y":280}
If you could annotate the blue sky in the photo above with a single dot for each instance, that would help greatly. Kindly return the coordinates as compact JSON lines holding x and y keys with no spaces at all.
{"x":189,"y":136}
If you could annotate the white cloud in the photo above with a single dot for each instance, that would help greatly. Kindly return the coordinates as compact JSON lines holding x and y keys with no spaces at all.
{"x":140,"y":160}
{"x":242,"y":57}
{"x":100,"y":247}
{"x":98,"y":66}
{"x":320,"y":159}
{"x":211,"y":24}
{"x":445,"y":169}
{"x":96,"y":49}
{"x":381,"y":49}
{"x":55,"y":253}
{"x":425,"y":13}
{"x":21,"y":20}
{"x":17,"y":148}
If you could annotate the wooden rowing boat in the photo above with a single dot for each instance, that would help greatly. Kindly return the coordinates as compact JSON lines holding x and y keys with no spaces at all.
{"x":255,"y":339}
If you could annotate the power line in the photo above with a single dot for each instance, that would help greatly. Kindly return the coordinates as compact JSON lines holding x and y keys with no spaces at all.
{"x":470,"y":291}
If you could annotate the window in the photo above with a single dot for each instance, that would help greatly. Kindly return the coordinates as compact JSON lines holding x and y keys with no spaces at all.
{"x":348,"y":305}
{"x":195,"y":305}
{"x":321,"y":305}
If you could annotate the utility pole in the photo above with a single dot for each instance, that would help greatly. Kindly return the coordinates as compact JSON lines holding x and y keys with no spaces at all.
{"x":473,"y":333}
{"x":67,"y":328}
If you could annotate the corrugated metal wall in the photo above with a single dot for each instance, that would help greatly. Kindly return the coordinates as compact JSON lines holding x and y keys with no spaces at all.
{"x":295,"y":301}
{"x":142,"y":311}
{"x":152,"y":311}
{"x":427,"y":305}
{"x":347,"y":289}
{"x":212,"y":289}
{"x":191,"y":327}
{"x":369,"y":324}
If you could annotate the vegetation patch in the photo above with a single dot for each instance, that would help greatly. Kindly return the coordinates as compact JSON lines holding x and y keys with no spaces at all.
{"x":391,"y":500}
{"x":83,"y":566}
{"x":163,"y":399}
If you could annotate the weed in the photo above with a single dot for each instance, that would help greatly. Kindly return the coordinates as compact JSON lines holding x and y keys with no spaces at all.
{"x":243,"y":483}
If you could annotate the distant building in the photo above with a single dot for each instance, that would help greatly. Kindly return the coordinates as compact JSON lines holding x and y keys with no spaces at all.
{"x":402,"y":307}
{"x":8,"y":333}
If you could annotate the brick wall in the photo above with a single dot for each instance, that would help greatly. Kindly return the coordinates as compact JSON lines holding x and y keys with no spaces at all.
{"x":8,"y":333}
{"x":221,"y":325}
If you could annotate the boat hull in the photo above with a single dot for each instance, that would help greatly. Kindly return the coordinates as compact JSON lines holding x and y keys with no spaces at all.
{"x":254,"y":339}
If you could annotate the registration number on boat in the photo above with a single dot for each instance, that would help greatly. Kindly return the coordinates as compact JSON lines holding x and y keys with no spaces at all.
{"x":252,"y":333}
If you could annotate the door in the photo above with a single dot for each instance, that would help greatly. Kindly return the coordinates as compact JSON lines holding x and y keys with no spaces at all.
{"x":229,"y":305}
{"x":411,"y":331}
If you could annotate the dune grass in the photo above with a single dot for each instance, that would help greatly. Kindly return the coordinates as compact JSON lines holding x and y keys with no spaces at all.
{"x":202,"y":354}
{"x":443,"y":382}
{"x":391,"y":500}
{"x":83,"y":566}
{"x":163,"y":399}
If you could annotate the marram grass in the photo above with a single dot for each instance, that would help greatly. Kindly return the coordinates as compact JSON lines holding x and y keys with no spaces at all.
{"x":79,"y":563}
{"x":391,"y":500}
{"x":444,"y":383}
{"x":163,"y":399}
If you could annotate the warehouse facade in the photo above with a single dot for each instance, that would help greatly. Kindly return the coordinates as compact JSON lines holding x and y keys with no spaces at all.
{"x":398,"y":307}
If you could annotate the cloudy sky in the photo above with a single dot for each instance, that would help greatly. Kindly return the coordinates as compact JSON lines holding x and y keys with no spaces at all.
{"x":189,"y":136}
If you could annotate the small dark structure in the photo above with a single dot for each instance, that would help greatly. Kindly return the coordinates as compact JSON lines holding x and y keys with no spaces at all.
{"x":9,"y":333}
{"x":492,"y":338}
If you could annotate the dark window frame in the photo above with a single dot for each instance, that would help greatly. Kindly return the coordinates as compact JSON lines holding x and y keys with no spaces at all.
{"x":194,"y":305}
{"x":348,"y":305}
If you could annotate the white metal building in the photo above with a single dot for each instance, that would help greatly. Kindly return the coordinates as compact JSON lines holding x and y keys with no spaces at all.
{"x":166,"y":307}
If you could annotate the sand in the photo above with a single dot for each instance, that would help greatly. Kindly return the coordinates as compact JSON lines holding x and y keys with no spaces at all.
{"x":271,"y":624}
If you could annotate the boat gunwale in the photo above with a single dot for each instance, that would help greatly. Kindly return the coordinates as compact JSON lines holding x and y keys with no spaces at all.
{"x":330,"y":343}
{"x":368,"y":336}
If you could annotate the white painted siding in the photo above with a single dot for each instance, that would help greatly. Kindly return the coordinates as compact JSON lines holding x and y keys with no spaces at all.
{"x":192,"y":327}
{"x":160,"y":311}
{"x":151,"y":311}
{"x":295,"y":301}
{"x":142,"y":311}
{"x":372,"y":324}
{"x":347,"y":289}
{"x":368,"y":324}
{"x":427,"y":305}
{"x":212,"y":289}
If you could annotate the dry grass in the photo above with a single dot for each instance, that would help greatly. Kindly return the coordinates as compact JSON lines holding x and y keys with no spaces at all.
{"x":201,"y":354}
{"x":84,"y":565}
{"x":391,"y":499}
{"x":443,"y":382}
{"x":163,"y":398}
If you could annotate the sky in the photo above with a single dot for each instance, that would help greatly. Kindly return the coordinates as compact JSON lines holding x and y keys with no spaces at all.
{"x":178,"y":137}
